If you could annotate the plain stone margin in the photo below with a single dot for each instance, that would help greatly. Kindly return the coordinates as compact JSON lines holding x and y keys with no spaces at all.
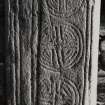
{"x":94,"y":58}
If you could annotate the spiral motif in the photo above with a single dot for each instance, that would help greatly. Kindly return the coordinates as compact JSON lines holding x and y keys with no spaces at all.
{"x":62,"y":92}
{"x":61,"y":47}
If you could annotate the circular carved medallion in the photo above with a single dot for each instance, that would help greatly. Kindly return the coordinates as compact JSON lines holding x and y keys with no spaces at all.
{"x":63,"y":92}
{"x":63,"y":8}
{"x":61,"y":47}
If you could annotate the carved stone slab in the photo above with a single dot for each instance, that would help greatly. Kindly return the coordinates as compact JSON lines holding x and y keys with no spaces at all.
{"x":49,"y":52}
{"x":61,"y":56}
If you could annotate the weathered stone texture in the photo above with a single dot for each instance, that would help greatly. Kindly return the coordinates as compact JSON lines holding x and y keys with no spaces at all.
{"x":49,"y":47}
{"x":64,"y":35}
{"x":22,"y":45}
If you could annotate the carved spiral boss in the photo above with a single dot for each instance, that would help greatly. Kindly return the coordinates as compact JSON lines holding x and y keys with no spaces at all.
{"x":61,"y":48}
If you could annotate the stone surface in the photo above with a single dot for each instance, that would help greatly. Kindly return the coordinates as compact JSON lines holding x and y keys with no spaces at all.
{"x":22,"y":53}
{"x":48,"y":59}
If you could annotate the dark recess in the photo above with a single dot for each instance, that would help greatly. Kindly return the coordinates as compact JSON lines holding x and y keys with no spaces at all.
{"x":103,"y":12}
{"x":101,"y":67}
{"x":2,"y":52}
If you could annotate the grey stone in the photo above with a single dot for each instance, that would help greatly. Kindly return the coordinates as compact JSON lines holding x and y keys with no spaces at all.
{"x":49,"y":49}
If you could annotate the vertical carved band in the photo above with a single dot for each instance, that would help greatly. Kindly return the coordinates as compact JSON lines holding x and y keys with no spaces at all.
{"x":21,"y":52}
{"x":61,"y":49}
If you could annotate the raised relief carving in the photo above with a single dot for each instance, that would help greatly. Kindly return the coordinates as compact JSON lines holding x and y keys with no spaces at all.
{"x":55,"y":90}
{"x":63,"y":8}
{"x":61,"y":48}
{"x":51,"y":45}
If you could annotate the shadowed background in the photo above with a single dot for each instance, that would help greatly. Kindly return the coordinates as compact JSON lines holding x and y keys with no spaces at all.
{"x":2,"y":52}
